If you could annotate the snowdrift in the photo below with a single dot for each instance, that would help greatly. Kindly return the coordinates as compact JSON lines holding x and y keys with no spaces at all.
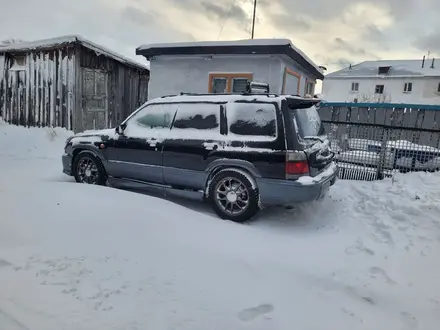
{"x":80,"y":257}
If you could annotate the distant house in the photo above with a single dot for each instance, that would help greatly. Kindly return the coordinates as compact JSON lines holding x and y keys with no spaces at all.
{"x":396,"y":81}
{"x":226,"y":66}
{"x":68,"y":82}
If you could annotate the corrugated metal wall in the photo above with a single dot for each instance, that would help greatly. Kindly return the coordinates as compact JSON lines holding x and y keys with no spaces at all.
{"x":41,"y":93}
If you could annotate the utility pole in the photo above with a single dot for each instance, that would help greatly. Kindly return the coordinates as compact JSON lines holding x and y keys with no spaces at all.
{"x":253,"y":19}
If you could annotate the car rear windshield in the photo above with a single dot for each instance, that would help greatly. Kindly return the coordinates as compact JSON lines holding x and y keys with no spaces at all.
{"x":308,"y":122}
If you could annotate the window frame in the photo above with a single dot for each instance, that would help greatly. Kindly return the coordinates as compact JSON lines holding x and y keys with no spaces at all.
{"x":233,"y":82}
{"x":290,"y":72}
{"x":354,"y":83}
{"x":219,"y":104}
{"x":16,"y":66}
{"x":407,"y":87}
{"x":229,"y":76}
{"x":383,"y":89}
{"x":145,"y":106}
{"x":311,"y":83}
{"x":237,"y":137}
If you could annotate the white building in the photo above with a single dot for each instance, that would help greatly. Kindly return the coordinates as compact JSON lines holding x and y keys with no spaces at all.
{"x":226,"y":66}
{"x":396,"y":81}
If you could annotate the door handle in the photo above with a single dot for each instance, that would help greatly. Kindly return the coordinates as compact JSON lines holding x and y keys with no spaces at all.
{"x":152,"y":142}
{"x":210,"y":146}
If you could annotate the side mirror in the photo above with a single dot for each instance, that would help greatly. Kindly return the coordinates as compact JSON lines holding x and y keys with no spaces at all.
{"x":119,"y":130}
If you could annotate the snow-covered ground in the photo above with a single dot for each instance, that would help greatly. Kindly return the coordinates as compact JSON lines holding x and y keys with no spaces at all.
{"x":78,"y":257}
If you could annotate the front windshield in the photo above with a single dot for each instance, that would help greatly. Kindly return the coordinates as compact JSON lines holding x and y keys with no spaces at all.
{"x":308,"y":122}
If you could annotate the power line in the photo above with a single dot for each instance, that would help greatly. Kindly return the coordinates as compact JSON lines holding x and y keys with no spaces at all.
{"x":233,"y":2}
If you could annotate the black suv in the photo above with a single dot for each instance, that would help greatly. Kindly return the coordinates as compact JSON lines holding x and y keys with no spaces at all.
{"x":239,"y":152}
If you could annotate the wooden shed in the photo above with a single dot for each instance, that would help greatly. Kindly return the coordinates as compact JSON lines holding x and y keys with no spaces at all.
{"x":68,"y":82}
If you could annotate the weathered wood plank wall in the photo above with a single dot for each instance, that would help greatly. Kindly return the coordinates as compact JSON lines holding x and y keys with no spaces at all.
{"x":47,"y":91}
{"x":41,"y":92}
{"x":127,"y":87}
{"x":415,"y":123}
{"x":2,"y":84}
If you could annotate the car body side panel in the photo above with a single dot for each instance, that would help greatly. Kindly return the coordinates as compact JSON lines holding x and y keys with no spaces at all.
{"x":136,"y":158}
{"x":184,"y":163}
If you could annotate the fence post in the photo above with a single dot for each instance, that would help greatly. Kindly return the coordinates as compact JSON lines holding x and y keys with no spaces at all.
{"x":383,"y":154}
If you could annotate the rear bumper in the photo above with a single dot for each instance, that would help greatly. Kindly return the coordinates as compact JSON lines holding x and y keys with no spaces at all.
{"x":285,"y":192}
{"x":67,"y":164}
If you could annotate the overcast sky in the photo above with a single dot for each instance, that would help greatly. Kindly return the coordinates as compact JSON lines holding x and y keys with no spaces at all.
{"x":333,"y":33}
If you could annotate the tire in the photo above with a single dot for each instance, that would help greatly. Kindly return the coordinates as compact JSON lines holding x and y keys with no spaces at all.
{"x":246,"y":201}
{"x":85,"y":161}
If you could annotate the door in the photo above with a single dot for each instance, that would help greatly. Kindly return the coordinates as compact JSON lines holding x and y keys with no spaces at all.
{"x":194,"y":138}
{"x":137,"y":152}
{"x":94,"y":99}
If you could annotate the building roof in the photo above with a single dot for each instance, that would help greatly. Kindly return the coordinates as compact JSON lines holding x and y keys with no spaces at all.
{"x":62,"y":41}
{"x":250,"y":46}
{"x":398,"y":68}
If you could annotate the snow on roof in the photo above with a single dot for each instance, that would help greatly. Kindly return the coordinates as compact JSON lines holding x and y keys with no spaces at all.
{"x":199,"y":45}
{"x":245,"y":42}
{"x":399,"y":68}
{"x":59,"y":41}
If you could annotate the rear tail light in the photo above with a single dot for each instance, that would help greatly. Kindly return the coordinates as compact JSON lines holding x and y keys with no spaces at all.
{"x":296,"y":164}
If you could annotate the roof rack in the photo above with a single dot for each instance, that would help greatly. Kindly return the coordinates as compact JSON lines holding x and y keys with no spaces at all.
{"x":212,"y":94}
{"x":242,"y":94}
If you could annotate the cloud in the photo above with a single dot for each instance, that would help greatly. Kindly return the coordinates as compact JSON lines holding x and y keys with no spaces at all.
{"x":121,"y":26}
{"x":139,"y":16}
{"x":234,"y":12}
{"x":331,"y":33}
{"x":290,"y":22}
{"x":341,"y":44}
{"x":428,"y":42}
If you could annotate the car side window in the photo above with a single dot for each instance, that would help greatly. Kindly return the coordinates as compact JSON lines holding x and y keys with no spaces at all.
{"x":197,"y":120}
{"x":154,"y":119}
{"x":252,"y":119}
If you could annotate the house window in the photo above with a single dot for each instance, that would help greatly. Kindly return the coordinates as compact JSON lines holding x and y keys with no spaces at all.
{"x":219,"y":85}
{"x":291,"y":82}
{"x":355,"y":87}
{"x":228,"y":82}
{"x":310,"y":88}
{"x":384,"y":69}
{"x":239,"y":85}
{"x":18,"y":63}
{"x":379,"y":89}
{"x":438,"y":88}
{"x":407,"y":88}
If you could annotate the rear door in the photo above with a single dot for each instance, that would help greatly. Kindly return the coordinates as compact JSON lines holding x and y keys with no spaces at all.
{"x":256,"y":131}
{"x":192,"y":144}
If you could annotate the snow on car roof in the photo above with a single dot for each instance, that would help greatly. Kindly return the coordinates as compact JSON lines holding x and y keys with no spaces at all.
{"x":227,"y":98}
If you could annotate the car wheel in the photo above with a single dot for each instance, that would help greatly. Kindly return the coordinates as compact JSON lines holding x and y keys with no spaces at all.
{"x":89,"y":169}
{"x":233,"y":195}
